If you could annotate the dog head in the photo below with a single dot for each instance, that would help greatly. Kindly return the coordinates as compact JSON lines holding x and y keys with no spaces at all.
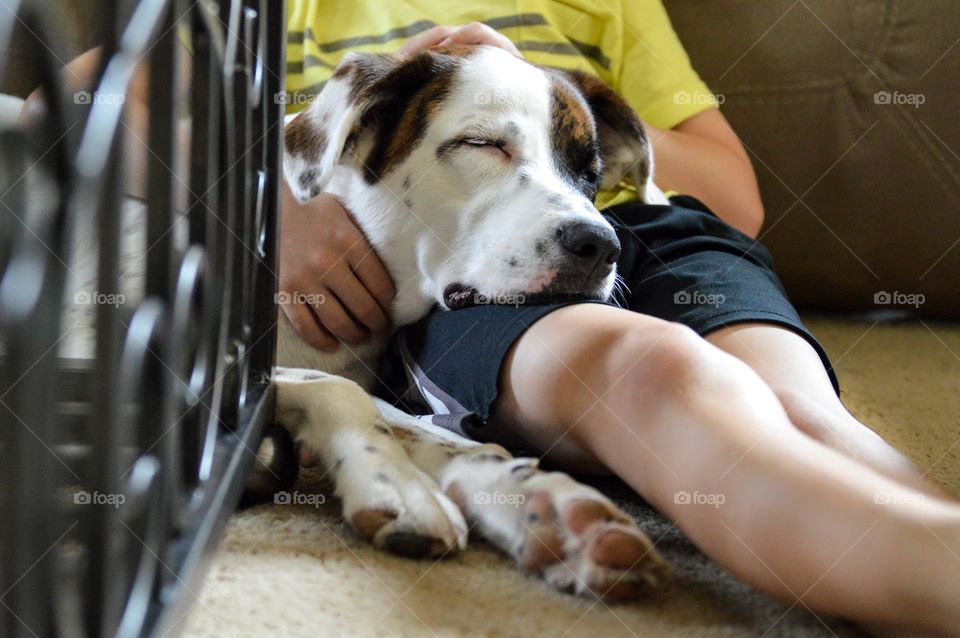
{"x":472,"y":172}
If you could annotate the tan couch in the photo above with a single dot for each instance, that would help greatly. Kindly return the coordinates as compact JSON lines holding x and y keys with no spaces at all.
{"x":862,"y":193}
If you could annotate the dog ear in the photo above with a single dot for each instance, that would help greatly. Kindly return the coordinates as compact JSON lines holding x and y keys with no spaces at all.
{"x":624,"y":146}
{"x":315,"y":139}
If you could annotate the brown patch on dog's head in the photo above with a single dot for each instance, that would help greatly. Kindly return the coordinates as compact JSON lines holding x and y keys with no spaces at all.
{"x":574,"y":137}
{"x":303,"y":139}
{"x":390,"y":97}
{"x":410,"y":96}
{"x":623,"y":140}
{"x":364,"y":72}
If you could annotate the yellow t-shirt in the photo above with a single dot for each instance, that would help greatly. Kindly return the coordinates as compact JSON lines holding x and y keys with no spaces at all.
{"x":629,"y":44}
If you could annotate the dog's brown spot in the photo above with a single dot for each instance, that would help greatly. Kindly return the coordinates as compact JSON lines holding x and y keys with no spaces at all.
{"x":397,"y":96}
{"x":368,"y":522}
{"x":380,"y":477}
{"x":373,"y":449}
{"x":574,"y":137}
{"x":617,"y":122}
{"x":302,"y":139}
{"x":404,"y":434}
{"x":607,"y":103}
{"x":409,"y":97}
{"x":364,"y":72}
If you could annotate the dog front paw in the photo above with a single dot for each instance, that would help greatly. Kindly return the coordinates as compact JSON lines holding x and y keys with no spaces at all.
{"x":569,"y":533}
{"x":586,"y":544}
{"x":399,"y":508}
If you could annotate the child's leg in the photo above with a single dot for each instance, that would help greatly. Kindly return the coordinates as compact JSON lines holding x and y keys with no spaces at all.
{"x":791,"y":367}
{"x":671,"y":414}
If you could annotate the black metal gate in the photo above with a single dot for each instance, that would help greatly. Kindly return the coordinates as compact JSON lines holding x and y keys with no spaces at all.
{"x":119,"y":470}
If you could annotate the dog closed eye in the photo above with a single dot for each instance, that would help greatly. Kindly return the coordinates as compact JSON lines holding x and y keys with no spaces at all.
{"x":498,"y":149}
{"x":490,"y":146}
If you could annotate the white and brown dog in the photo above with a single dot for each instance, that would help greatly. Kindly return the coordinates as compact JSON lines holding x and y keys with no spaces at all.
{"x":472,"y":172}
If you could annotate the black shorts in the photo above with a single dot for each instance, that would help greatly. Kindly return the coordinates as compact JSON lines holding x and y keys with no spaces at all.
{"x":680,"y":263}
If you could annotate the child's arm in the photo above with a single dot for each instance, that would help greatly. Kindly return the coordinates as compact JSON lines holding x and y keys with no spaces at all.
{"x":703,"y":157}
{"x":79,"y":73}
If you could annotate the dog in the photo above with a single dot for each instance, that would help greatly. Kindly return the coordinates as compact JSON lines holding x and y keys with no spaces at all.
{"x":473,"y":174}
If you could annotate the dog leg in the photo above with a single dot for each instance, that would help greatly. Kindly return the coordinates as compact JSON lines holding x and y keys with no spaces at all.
{"x":570,"y":533}
{"x":385,"y":497}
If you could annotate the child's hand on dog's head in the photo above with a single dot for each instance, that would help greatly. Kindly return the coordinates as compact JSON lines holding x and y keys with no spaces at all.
{"x":473,"y":33}
{"x":332,"y":284}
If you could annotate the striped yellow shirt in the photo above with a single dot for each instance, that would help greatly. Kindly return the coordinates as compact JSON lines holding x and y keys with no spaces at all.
{"x":630,"y":44}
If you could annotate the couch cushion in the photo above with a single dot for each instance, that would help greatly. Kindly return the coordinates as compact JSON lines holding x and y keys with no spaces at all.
{"x":848,"y":110}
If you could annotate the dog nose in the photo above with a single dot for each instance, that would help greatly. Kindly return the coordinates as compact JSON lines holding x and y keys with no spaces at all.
{"x":591,"y":243}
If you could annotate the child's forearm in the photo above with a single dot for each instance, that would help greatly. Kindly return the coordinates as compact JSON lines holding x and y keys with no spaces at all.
{"x":702,"y":157}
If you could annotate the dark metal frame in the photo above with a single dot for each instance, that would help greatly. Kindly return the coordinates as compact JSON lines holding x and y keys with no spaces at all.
{"x":179,"y":390}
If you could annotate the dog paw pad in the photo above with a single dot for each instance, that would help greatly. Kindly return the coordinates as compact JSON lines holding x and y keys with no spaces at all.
{"x":619,"y":549}
{"x":582,"y":513}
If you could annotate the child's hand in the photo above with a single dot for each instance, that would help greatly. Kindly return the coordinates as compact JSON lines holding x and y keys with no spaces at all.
{"x":332,"y":284}
{"x":473,"y":33}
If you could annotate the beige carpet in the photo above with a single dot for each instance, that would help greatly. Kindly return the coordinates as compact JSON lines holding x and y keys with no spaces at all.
{"x":297,"y":571}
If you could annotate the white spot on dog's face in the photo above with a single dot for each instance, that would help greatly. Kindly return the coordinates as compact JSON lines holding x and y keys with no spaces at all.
{"x":510,"y":163}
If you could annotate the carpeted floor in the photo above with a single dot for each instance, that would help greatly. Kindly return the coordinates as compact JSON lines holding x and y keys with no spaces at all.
{"x":296,"y":570}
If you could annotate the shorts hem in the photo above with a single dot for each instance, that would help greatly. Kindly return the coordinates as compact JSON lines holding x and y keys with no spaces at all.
{"x":734,"y":317}
{"x":513,"y":331}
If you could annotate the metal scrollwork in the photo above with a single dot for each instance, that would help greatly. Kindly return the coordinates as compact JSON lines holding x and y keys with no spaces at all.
{"x":121,"y":459}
